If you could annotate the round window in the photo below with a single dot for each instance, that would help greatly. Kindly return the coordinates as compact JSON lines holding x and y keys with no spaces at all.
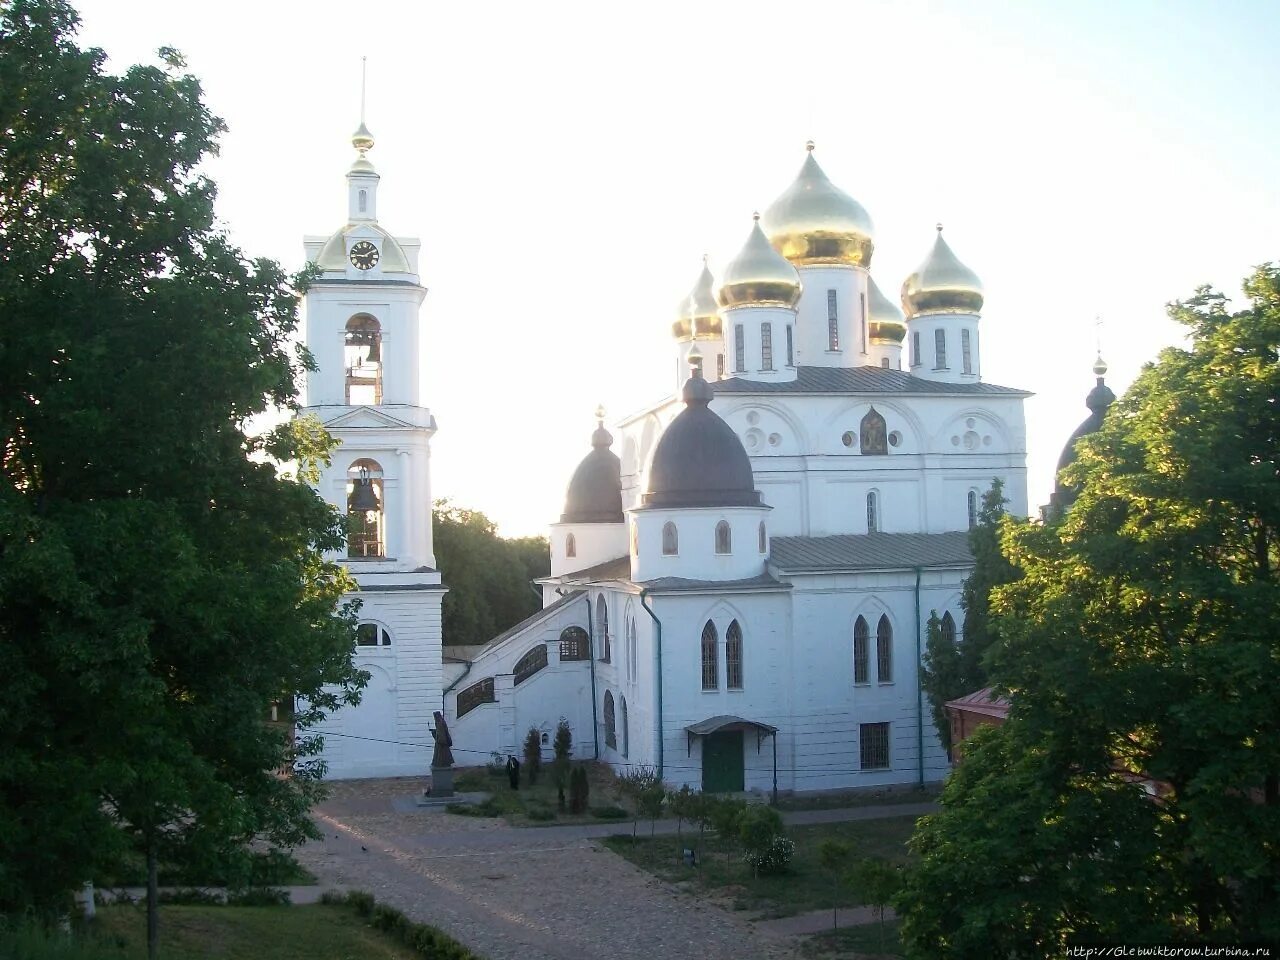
{"x":849,"y":438}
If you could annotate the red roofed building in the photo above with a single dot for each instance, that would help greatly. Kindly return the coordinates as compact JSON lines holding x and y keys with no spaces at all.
{"x":979,"y":709}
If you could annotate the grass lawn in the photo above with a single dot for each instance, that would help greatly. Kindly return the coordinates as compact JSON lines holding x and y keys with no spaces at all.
{"x":247,"y":933}
{"x":536,"y":805}
{"x":850,"y":942}
{"x":722,"y":875}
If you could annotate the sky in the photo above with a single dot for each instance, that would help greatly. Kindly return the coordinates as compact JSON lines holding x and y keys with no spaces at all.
{"x":567,"y":165}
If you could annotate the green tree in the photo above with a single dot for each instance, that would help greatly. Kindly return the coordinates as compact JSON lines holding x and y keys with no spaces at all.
{"x":161,"y":583}
{"x":488,"y":576}
{"x":876,"y":883}
{"x":1139,"y":645}
{"x":834,"y":856}
{"x":533,"y":754}
{"x":562,"y":745}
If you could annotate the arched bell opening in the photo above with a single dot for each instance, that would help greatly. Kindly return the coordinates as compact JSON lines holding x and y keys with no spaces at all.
{"x":362,"y":358}
{"x":366,"y":510}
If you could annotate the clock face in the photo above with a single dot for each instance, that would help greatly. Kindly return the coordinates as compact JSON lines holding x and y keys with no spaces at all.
{"x":364,"y":255}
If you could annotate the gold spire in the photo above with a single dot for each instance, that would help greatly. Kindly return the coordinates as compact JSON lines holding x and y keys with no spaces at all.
{"x":759,"y":275}
{"x":942,"y":284}
{"x":1099,"y":367}
{"x":884,"y":320}
{"x":814,"y":221}
{"x":697,"y":316}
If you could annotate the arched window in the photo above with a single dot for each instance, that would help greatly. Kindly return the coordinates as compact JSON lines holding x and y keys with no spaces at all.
{"x":362,"y":358}
{"x":873,"y":512}
{"x":632,"y":657}
{"x":733,"y":657}
{"x":602,"y":627}
{"x":670,"y":539}
{"x":884,"y":650}
{"x":766,"y":346}
{"x":719,"y":366}
{"x":873,"y":434}
{"x":724,"y":537}
{"x":479,"y":692}
{"x":916,"y":359}
{"x":939,"y":349}
{"x":948,"y":628}
{"x":366,"y":514}
{"x":610,"y":728}
{"x":530,"y":663}
{"x":574,"y":644}
{"x":966,"y":352}
{"x":973,"y":508}
{"x":764,"y":539}
{"x":626,"y":728}
{"x":364,"y":201}
{"x":710,"y":674}
{"x":571,"y":546}
{"x":861,"y":650}
{"x":372,"y":635}
{"x":791,"y":347}
{"x":833,"y":324}
{"x":884,"y":362}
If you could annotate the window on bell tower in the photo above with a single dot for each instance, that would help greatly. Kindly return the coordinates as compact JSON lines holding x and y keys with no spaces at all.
{"x":364,"y":201}
{"x":362,"y":358}
{"x":366,"y":510}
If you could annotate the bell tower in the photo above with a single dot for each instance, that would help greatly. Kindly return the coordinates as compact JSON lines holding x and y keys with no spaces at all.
{"x":364,"y":329}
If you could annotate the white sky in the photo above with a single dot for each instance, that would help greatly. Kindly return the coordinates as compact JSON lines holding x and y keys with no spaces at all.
{"x":567,"y":164}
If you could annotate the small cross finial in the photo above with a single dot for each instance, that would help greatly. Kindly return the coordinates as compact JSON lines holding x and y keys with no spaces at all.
{"x":755,"y":215}
{"x":939,"y":226}
{"x":808,"y":146}
{"x":600,"y":412}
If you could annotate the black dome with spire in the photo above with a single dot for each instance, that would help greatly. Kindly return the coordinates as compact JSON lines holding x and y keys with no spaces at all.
{"x":1098,"y":401}
{"x":595,"y":491}
{"x":700,"y":462}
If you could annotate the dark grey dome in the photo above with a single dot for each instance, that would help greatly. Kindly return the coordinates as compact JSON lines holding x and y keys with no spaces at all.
{"x":595,"y":492}
{"x":1098,"y":400}
{"x":699,"y":462}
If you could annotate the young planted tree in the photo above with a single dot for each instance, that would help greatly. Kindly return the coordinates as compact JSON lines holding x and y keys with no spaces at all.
{"x":161,"y":582}
{"x":876,"y":882}
{"x":533,"y":754}
{"x":1140,"y":650}
{"x":834,"y":857}
{"x":562,"y":744}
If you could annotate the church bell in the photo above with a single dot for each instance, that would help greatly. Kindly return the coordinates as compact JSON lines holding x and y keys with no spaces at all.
{"x":363,"y":498}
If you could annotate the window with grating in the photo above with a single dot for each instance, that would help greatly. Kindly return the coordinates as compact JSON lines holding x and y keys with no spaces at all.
{"x":739,"y":348}
{"x":530,"y":663}
{"x":372,"y":635}
{"x":602,"y":627}
{"x":791,"y":347}
{"x":966,"y":352}
{"x":873,"y":742}
{"x":724,"y":537}
{"x":733,"y":657}
{"x":972,"y":507}
{"x":710,"y":642}
{"x":476,"y":694}
{"x":610,"y":726}
{"x":766,"y":346}
{"x":574,"y":644}
{"x":884,"y":650}
{"x":939,"y":350}
{"x":833,"y":325}
{"x":861,"y":650}
{"x":948,"y":627}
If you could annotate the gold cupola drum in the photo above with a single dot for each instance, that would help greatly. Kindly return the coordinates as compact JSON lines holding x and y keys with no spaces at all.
{"x":941,"y":284}
{"x":885,"y":323}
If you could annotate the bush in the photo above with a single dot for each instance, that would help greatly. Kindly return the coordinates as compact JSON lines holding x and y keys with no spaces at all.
{"x":497,"y":765}
{"x":609,"y":813}
{"x":533,"y":754}
{"x":259,"y":897}
{"x":579,"y":790}
{"x":486,"y":809}
{"x":540,"y":812}
{"x":773,"y":857}
{"x":427,"y":941}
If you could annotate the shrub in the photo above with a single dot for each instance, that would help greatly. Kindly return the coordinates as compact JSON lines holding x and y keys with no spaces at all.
{"x":579,"y":790}
{"x":486,"y":809}
{"x":540,"y":812}
{"x":497,"y":765}
{"x":533,"y":754}
{"x":259,"y":897}
{"x":427,"y":942}
{"x":609,"y":813}
{"x":774,"y":857}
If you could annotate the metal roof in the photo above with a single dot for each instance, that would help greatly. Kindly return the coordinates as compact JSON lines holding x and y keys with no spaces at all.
{"x":618,"y":568}
{"x":870,"y":551}
{"x":847,"y":380}
{"x":984,"y":701}
{"x":727,"y":722}
{"x":531,"y":620}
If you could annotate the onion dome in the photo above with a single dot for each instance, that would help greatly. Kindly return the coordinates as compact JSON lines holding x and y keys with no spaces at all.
{"x":759,"y":275}
{"x":1098,"y":401}
{"x":595,"y":492}
{"x":884,"y":319}
{"x":362,"y":139}
{"x":699,"y":461}
{"x":942,"y":284}
{"x":814,"y":221}
{"x":697,"y":314}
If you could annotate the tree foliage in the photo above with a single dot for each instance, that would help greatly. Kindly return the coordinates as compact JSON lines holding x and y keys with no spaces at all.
{"x":161,"y":584}
{"x":1139,"y":646}
{"x":488,"y":576}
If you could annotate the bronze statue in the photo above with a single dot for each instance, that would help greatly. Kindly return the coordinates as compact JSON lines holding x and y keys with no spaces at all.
{"x":443,"y":756}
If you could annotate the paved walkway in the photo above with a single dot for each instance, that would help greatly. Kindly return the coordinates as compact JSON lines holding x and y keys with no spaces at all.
{"x":545,"y":893}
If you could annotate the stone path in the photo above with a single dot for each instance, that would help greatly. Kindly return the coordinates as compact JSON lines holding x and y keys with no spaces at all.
{"x":545,"y":893}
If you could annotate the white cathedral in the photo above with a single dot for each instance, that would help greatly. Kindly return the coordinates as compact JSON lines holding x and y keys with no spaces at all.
{"x":738,"y":601}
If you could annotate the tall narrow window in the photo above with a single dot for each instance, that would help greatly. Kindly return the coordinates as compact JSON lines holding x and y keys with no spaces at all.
{"x":366,"y":510}
{"x":570,"y":546}
{"x":862,"y":325}
{"x":939,"y":349}
{"x":733,"y":657}
{"x":602,"y":625}
{"x":719,"y":366}
{"x":710,"y":643}
{"x":610,"y":727}
{"x":739,"y":348}
{"x":915,"y":349}
{"x":966,"y":352}
{"x":633,"y":660}
{"x":873,"y":512}
{"x":670,"y":539}
{"x":873,"y":434}
{"x":884,"y":650}
{"x":764,"y":539}
{"x":972,"y":506}
{"x":724,"y":537}
{"x":861,"y":650}
{"x":766,"y":346}
{"x":948,"y":628}
{"x":873,"y":740}
{"x":635,"y":539}
{"x":884,"y":362}
{"x":626,"y":728}
{"x":791,"y":347}
{"x":833,"y":323}
{"x":364,"y":201}
{"x":362,"y":359}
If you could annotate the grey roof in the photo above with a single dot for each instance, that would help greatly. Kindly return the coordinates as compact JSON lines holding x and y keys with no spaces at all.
{"x":727,"y":722}
{"x":687,"y":585}
{"x":531,"y":620}
{"x":870,"y":551}
{"x":618,"y":568}
{"x":843,"y":380}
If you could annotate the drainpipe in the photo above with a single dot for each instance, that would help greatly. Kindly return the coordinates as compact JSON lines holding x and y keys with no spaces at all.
{"x":919,"y":688}
{"x":644,"y":602}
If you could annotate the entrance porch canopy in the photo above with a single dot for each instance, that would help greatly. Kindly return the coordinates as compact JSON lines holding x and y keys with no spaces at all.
{"x":728,"y":722}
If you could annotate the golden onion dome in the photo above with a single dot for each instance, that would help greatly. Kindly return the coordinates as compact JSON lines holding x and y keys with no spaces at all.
{"x":362,"y":139}
{"x":697,"y":315}
{"x":814,"y":221}
{"x":759,"y":275}
{"x":884,"y":320}
{"x":942,"y":284}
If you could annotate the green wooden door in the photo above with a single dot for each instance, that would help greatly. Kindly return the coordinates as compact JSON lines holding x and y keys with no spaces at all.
{"x":722,"y":762}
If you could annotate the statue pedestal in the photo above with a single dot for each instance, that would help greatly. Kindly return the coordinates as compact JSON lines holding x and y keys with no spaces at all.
{"x":441,"y":782}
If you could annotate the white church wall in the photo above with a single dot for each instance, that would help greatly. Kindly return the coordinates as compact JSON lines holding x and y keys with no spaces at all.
{"x":812,"y":327}
{"x":593,"y":543}
{"x":696,"y":556}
